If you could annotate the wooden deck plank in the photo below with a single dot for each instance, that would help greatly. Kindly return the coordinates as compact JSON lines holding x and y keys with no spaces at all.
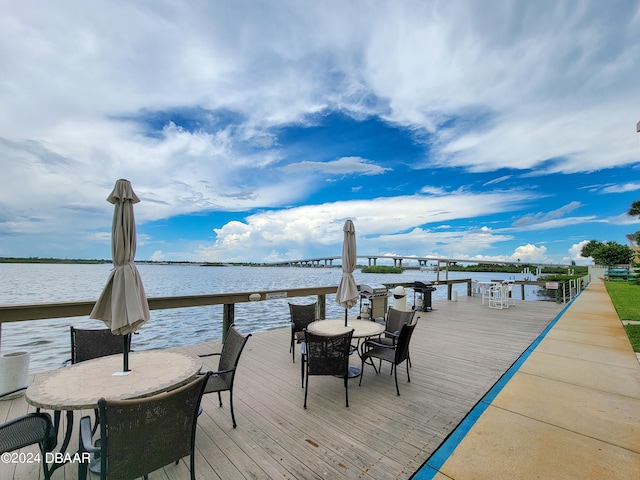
{"x":458,"y":351}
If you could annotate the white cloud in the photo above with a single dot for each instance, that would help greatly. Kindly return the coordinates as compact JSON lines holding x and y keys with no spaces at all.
{"x":497,"y":85}
{"x":380,"y":223}
{"x":341,"y":166}
{"x":575,"y":254}
{"x":625,"y":187}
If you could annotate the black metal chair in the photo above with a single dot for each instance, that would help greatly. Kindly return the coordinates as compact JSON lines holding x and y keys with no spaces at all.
{"x":395,"y":354}
{"x":328,"y":355}
{"x":393,"y":324}
{"x":87,"y":344}
{"x":142,"y":435}
{"x":28,"y":430}
{"x":222,"y":379}
{"x":301,"y":317}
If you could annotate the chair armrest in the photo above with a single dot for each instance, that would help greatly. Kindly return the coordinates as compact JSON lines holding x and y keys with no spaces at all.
{"x":373,"y":343}
{"x":209,"y":354}
{"x":221,"y":372}
{"x":86,"y":436}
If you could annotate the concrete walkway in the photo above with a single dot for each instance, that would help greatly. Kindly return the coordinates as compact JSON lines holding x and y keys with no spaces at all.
{"x":569,"y":409}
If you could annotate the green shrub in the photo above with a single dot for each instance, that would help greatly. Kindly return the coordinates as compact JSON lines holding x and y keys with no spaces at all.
{"x":381,"y":269}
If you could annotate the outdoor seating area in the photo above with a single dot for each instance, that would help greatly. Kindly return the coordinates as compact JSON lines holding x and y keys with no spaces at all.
{"x":277,"y":437}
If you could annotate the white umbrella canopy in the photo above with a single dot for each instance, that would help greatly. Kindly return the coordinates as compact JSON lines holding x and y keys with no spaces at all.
{"x":123,"y":305}
{"x":347,"y":293}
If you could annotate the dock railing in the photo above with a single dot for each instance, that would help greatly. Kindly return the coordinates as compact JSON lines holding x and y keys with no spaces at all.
{"x":48,"y":310}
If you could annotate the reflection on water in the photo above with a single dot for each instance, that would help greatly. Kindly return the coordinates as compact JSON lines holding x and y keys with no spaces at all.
{"x":48,"y":340}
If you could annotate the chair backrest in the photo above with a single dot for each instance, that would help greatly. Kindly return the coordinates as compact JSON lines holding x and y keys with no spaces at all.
{"x":302,"y":315}
{"x":397,"y":318}
{"x":142,"y":435}
{"x":402,"y":345}
{"x":231,"y":349}
{"x":328,"y":355}
{"x":89,"y":344}
{"x":27,"y":430}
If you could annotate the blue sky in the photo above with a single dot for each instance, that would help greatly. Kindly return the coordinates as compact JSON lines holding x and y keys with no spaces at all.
{"x":251,"y":130}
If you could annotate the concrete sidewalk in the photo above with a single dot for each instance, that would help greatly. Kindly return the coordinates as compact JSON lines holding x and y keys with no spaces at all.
{"x":569,"y":410}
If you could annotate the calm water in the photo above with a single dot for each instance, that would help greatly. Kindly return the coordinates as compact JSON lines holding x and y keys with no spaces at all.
{"x":48,"y":340}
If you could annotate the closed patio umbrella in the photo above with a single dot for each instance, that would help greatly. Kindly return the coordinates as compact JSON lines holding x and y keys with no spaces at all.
{"x":123,"y":305}
{"x":347,"y":293}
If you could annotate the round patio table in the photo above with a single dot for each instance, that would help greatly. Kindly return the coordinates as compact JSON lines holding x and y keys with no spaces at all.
{"x":81,"y":385}
{"x":361,"y":329}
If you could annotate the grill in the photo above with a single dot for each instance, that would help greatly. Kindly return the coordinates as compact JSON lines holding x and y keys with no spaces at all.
{"x":373,"y":291}
{"x":423,"y":302}
{"x":377,"y":295}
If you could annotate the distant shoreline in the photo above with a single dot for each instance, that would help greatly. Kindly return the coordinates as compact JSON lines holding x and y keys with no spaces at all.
{"x":515,"y":269}
{"x":51,"y":260}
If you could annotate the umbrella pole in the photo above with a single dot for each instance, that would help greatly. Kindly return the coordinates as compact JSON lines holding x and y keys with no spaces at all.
{"x":345,"y":317}
{"x":127,"y":342}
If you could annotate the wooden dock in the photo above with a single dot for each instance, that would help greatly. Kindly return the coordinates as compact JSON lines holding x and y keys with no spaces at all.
{"x":458,"y":351}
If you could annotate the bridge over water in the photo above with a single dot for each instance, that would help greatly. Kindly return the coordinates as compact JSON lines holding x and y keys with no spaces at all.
{"x":410,"y":261}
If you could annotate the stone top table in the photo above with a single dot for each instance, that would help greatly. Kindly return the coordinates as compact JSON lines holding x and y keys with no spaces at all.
{"x":361,"y":328}
{"x":81,"y":385}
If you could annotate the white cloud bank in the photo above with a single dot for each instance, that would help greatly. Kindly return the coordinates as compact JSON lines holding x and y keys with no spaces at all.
{"x":549,"y":85}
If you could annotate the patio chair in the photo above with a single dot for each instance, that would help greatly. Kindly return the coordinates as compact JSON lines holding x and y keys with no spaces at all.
{"x":142,"y":435}
{"x":395,"y":354}
{"x":87,"y":344}
{"x":509,"y":297}
{"x":28,"y":430}
{"x":498,"y":296}
{"x":301,"y":316}
{"x":394,"y":322}
{"x":222,"y":379}
{"x":328,"y":355}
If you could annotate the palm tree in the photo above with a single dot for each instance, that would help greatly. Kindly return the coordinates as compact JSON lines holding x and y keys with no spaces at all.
{"x":635,"y":209}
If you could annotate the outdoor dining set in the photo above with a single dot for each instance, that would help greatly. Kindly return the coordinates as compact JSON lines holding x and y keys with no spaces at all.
{"x":326,"y":345}
{"x":146,"y":418}
{"x":497,"y":295}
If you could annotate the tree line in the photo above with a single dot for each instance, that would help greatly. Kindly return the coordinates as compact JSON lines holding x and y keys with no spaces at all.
{"x":613,"y":253}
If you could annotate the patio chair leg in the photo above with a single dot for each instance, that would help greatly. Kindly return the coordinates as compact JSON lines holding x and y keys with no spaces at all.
{"x":395,"y":370}
{"x":220,"y":398}
{"x":346,"y":389}
{"x":306,"y":389}
{"x":233,"y":417}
